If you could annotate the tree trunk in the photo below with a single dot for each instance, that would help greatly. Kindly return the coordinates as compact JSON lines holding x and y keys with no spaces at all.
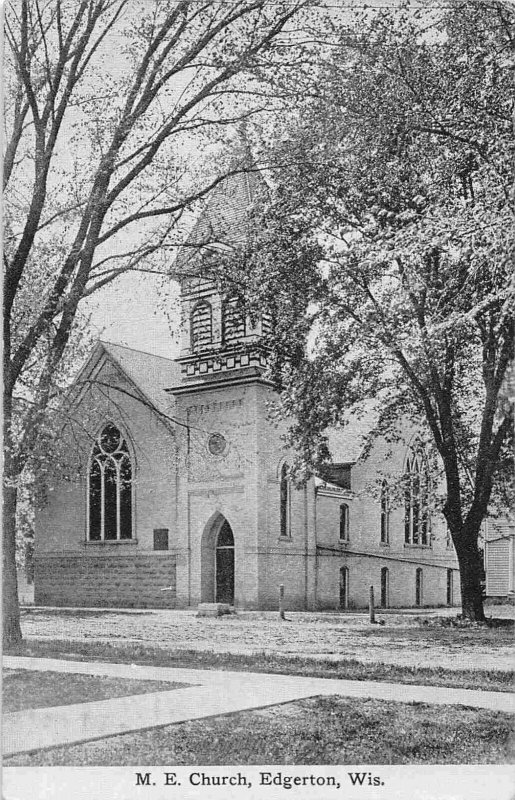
{"x":471,"y":572}
{"x":11,"y":609}
{"x":10,"y":605}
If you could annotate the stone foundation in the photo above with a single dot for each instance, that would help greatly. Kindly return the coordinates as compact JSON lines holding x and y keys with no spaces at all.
{"x":135,"y":581}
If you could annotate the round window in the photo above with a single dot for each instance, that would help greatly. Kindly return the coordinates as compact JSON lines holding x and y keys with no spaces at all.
{"x":216,"y":444}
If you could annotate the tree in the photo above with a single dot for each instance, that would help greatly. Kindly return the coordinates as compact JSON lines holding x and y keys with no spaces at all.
{"x":387,"y":255}
{"x":92,"y":187}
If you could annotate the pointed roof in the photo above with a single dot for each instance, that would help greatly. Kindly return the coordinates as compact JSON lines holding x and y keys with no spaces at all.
{"x":226,"y":218}
{"x":151,"y":374}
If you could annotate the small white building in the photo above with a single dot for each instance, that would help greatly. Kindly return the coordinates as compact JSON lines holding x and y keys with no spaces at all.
{"x":500,"y":559}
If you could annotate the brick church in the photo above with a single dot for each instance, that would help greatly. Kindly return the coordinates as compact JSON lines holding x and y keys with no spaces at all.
{"x":175,"y":487}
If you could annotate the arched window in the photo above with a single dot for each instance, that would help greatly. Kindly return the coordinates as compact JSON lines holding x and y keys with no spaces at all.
{"x":419,"y":587}
{"x":385,"y":513}
{"x":233,"y":321}
{"x":110,"y":487}
{"x":416,"y":510}
{"x":285,"y":501}
{"x":450,"y":587}
{"x":344,"y":522}
{"x":385,"y":587}
{"x":201,"y":325}
{"x":344,"y":587}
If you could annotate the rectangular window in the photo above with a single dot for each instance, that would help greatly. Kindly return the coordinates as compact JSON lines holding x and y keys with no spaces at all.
{"x":160,"y":538}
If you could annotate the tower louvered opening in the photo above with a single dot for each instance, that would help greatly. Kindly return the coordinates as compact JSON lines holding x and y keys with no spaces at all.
{"x":201,"y":325}
{"x":234,"y":327}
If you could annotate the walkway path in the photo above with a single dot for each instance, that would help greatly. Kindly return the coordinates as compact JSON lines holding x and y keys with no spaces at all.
{"x":210,"y":693}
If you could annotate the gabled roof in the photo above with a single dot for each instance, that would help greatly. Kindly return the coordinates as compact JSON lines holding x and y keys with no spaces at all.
{"x":226,"y":218}
{"x":151,"y":374}
{"x":346,"y":443}
{"x":322,"y":483}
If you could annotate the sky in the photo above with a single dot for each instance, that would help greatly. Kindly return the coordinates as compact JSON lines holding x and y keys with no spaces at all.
{"x":133,"y":312}
{"x":136,"y":310}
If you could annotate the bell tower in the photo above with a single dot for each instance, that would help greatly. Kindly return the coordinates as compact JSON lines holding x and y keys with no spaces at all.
{"x":220,"y":340}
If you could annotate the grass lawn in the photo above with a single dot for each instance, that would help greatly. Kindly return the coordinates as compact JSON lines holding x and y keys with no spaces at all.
{"x":321,"y":730}
{"x":24,"y":689}
{"x":350,"y":669}
{"x":456,"y":637}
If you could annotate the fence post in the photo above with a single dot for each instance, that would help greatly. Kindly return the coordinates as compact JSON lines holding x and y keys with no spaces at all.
{"x":281,"y":601}
{"x":371,"y":611}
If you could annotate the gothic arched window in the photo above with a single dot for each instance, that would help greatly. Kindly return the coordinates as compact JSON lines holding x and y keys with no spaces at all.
{"x":416,"y":497}
{"x":285,"y":501}
{"x":110,"y":487}
{"x":201,"y":325}
{"x":385,"y":513}
{"x":233,"y":321}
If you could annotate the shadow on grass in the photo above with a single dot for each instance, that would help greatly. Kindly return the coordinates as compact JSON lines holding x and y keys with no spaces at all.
{"x":431,"y":631}
{"x":80,"y":613}
{"x":320,"y":730}
{"x":347,"y":669}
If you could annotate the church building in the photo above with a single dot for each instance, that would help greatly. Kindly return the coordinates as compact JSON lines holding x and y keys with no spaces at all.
{"x":175,"y":484}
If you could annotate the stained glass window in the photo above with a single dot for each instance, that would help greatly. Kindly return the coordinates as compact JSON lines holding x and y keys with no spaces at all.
{"x":416,"y":498}
{"x":110,"y":487}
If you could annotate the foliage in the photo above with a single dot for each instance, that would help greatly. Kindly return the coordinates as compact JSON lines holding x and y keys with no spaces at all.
{"x":76,"y":221}
{"x":103,"y":97}
{"x":401,"y":170}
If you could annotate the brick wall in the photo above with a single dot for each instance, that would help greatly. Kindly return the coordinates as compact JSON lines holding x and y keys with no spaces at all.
{"x":61,"y":524}
{"x":364,"y":572}
{"x":180,"y":485}
{"x":119,"y":581}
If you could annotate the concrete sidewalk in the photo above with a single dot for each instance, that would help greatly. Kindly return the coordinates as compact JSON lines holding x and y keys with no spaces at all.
{"x":210,"y":693}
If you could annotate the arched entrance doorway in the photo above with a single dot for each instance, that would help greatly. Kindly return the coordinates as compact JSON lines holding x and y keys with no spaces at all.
{"x":217,"y":561}
{"x":224,"y":565}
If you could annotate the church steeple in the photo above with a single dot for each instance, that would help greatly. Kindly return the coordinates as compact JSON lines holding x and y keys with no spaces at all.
{"x":220,"y":339}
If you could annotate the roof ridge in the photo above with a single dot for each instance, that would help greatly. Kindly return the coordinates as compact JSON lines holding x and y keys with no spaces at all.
{"x":136,"y":350}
